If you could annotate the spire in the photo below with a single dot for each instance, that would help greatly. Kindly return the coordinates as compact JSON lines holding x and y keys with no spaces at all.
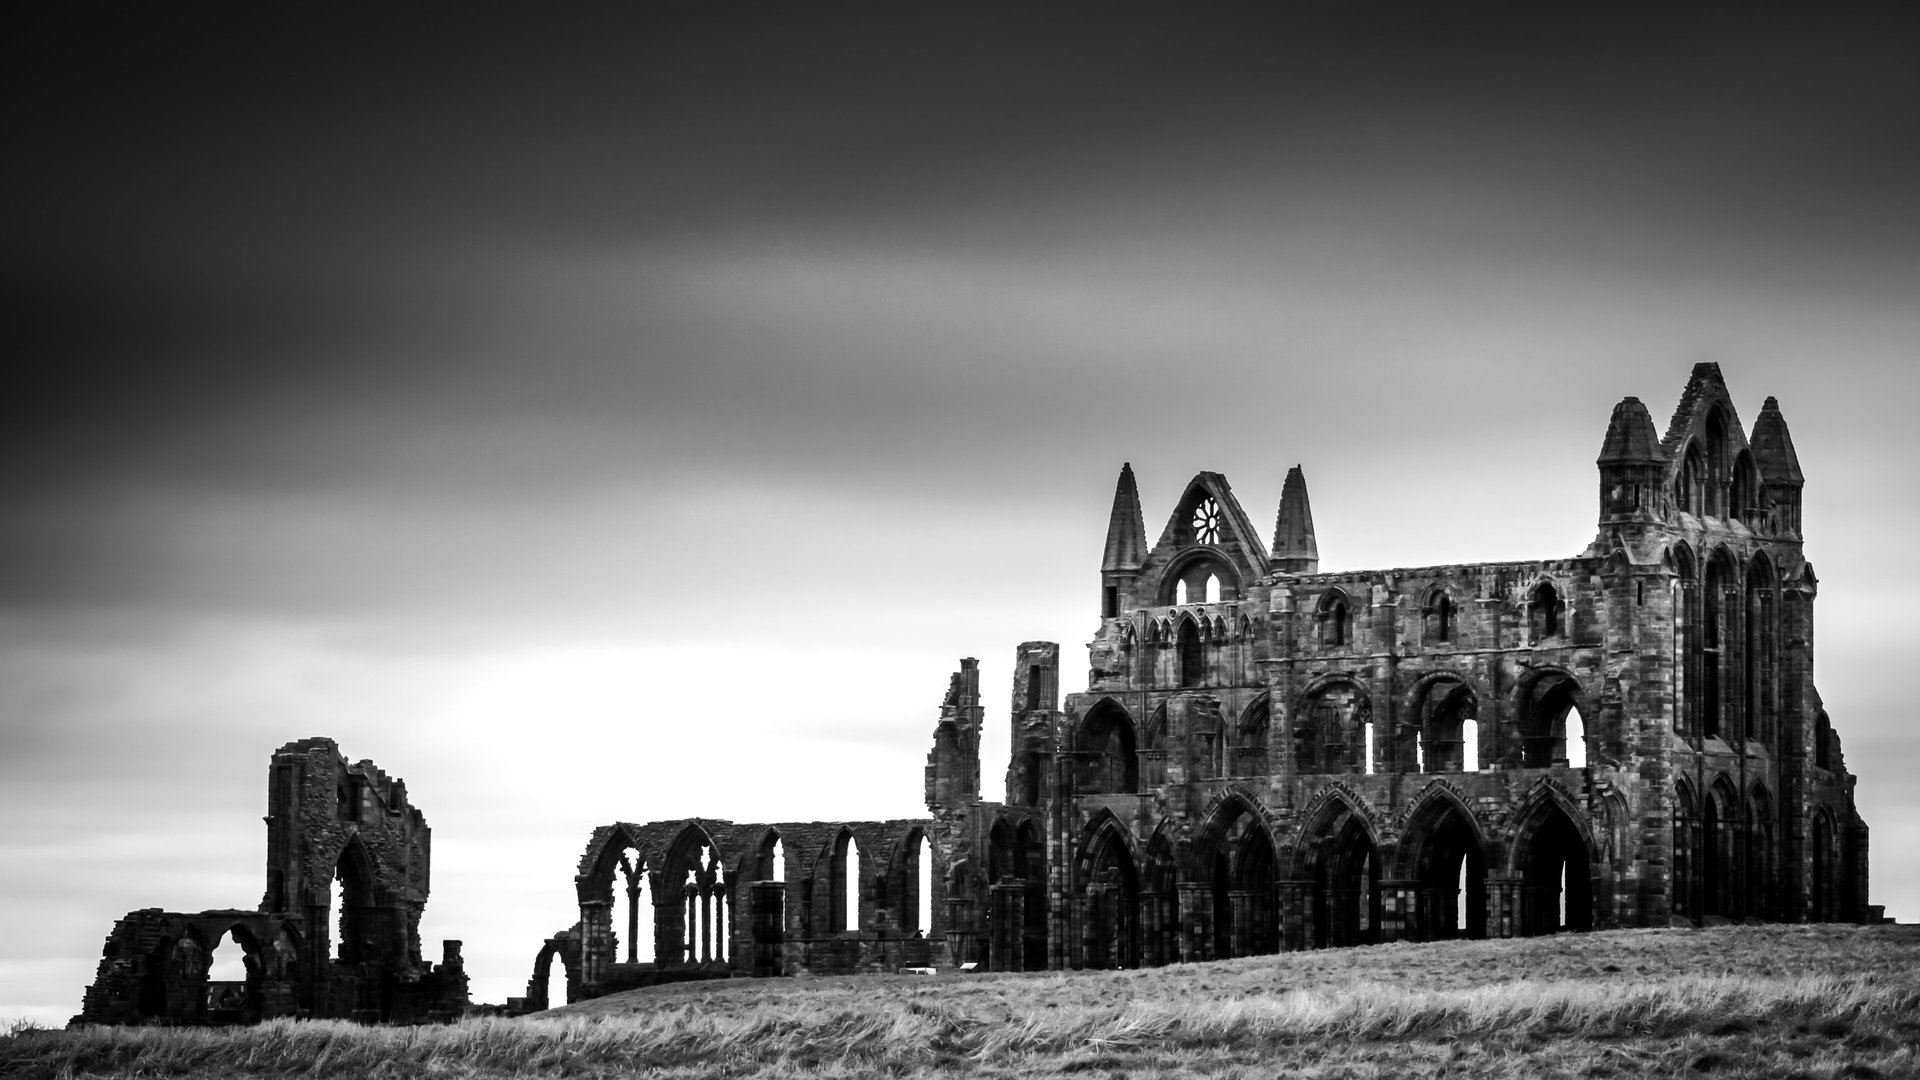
{"x":1294,"y":549}
{"x":1126,"y":531}
{"x":1630,"y":436}
{"x":1773,"y":448}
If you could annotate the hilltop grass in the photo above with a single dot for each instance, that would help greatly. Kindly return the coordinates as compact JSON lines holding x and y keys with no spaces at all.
{"x":1814,"y":1002}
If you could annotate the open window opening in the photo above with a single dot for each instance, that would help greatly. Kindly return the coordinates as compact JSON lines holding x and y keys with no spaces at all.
{"x":1336,"y":620}
{"x":1545,"y":612}
{"x":1192,"y":659}
{"x":921,"y":874}
{"x":1438,"y":617}
{"x":1213,"y":588}
{"x":639,"y":894}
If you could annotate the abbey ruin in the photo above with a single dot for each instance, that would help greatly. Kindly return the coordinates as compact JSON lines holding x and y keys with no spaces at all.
{"x":1264,"y":757}
{"x":1267,"y":757}
{"x":337,"y":933}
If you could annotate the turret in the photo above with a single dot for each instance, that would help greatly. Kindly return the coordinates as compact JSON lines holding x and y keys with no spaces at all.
{"x":1126,"y":548}
{"x":1632,"y":465}
{"x":1294,"y":549}
{"x":1779,"y":469}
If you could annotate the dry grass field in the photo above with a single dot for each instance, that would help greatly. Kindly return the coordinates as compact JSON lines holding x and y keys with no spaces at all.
{"x":1817,"y":1002}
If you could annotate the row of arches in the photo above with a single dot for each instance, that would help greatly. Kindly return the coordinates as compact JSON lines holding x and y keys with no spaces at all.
{"x":1727,"y":626}
{"x":688,"y":903}
{"x":1233,"y":891}
{"x":1713,"y":478}
{"x":1730,"y":858}
{"x":1337,"y":730}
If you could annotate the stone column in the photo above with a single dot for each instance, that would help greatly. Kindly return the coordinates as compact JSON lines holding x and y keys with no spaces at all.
{"x":1196,"y":920}
{"x":1006,"y":928}
{"x":1240,"y":902}
{"x":1400,"y":914}
{"x":1503,"y":906}
{"x":960,"y":932}
{"x":1296,"y":930}
{"x":768,"y":906}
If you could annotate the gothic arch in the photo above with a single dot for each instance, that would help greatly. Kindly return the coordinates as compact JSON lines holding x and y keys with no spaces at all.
{"x":1106,"y":736}
{"x":1107,"y":876}
{"x":1330,"y":722}
{"x":1334,"y":613}
{"x":1442,"y":704}
{"x":1443,"y":849}
{"x":1552,"y":855}
{"x":1238,"y":862}
{"x":1540,"y":702}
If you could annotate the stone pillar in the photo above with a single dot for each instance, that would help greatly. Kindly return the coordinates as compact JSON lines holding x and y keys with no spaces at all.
{"x":1400,"y":911}
{"x":960,"y":932}
{"x":1503,"y":906}
{"x":1196,"y":920}
{"x":1006,"y":928}
{"x":768,"y":907}
{"x":596,"y":941}
{"x":1240,"y":902}
{"x":1296,"y":914}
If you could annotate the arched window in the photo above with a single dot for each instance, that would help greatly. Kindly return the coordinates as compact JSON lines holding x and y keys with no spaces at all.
{"x":1111,"y":763}
{"x":1690,"y":481}
{"x":1213,"y":588}
{"x":1192,"y":659}
{"x":1544,"y":612}
{"x":1335,"y":620}
{"x":1719,"y":464}
{"x":1438,"y":614}
{"x":1546,"y":703}
{"x":1331,"y":733}
{"x":1713,"y":596}
{"x":1180,"y":592}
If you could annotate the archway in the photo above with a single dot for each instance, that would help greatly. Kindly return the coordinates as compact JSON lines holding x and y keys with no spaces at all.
{"x":1239,"y":856}
{"x":1443,"y":709}
{"x":1445,"y":854}
{"x":1110,"y":882}
{"x":1545,"y":699}
{"x":1111,"y":762}
{"x":1342,"y":864}
{"x":1554,"y":863}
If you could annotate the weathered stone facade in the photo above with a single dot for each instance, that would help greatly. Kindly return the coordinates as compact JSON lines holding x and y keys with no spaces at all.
{"x":326,"y":820}
{"x":1267,"y":757}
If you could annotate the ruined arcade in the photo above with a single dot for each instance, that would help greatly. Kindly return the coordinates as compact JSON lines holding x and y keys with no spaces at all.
{"x":1268,"y":757}
{"x":332,"y":827}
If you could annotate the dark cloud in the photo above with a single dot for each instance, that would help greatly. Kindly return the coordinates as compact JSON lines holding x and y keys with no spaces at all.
{"x":432,"y":377}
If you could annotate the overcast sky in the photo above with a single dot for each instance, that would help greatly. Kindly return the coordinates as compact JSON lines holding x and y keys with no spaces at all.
{"x":619,"y":419}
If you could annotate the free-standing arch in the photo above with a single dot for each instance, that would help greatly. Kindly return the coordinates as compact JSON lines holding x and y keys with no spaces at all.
{"x":1553,"y":860}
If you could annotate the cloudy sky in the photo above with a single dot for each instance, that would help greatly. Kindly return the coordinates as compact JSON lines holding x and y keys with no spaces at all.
{"x":593,"y":419}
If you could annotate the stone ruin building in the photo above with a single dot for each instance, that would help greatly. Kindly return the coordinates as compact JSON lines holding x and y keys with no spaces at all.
{"x":1269,"y":757}
{"x":328,"y":824}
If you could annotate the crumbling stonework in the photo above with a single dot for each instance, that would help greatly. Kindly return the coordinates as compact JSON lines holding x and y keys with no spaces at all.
{"x":1269,"y":757}
{"x":327,"y":821}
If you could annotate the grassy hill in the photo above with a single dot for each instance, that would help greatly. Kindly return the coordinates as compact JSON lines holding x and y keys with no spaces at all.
{"x":1779,"y":1001}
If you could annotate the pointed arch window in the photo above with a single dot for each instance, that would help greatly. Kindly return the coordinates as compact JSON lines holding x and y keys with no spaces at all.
{"x":1544,"y":612}
{"x":1336,"y":620}
{"x":1192,"y":658}
{"x":1439,"y":616}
